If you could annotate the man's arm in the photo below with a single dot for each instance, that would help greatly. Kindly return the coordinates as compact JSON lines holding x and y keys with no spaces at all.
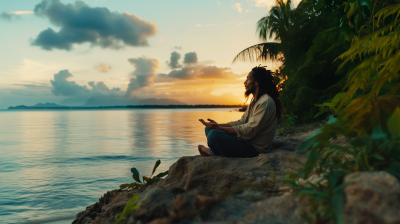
{"x":213,"y":125}
{"x":221,"y":125}
{"x":225,"y":125}
{"x":229,"y":130}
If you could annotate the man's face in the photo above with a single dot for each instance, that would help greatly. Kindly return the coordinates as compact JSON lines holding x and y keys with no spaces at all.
{"x":249,"y":84}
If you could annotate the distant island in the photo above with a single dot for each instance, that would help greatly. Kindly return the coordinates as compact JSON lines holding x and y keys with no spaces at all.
{"x":53,"y":106}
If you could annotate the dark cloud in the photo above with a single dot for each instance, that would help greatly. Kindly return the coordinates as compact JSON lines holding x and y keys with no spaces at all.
{"x":173,"y":63}
{"x":146,"y":70}
{"x":103,"y":68}
{"x":200,"y":72}
{"x":62,"y":87}
{"x":190,"y":58}
{"x":193,"y":70}
{"x":83,"y":24}
{"x":6,"y":16}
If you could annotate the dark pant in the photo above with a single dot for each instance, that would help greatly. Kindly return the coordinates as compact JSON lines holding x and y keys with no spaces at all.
{"x":224,"y":144}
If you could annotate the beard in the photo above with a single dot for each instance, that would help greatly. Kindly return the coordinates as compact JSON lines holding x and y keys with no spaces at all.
{"x":249,"y":91}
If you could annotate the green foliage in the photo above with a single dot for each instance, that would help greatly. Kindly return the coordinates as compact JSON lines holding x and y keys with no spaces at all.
{"x":287,"y":125}
{"x":343,"y":58}
{"x":146,"y":180}
{"x":331,"y":105}
{"x":367,"y":113}
{"x":131,"y":206}
{"x":377,"y":151}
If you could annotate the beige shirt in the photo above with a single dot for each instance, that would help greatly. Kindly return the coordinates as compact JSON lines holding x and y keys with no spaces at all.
{"x":260,"y":129}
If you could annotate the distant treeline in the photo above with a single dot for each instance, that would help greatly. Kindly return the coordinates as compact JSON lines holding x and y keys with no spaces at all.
{"x":23,"y":107}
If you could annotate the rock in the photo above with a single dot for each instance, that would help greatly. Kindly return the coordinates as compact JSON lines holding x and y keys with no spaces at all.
{"x":111,"y":204}
{"x":205,"y":174}
{"x":216,"y":174}
{"x":234,"y":190}
{"x":372,"y":197}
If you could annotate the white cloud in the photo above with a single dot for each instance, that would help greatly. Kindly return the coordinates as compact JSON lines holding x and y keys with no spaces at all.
{"x":21,"y":12}
{"x":271,"y":3}
{"x":264,"y":3}
{"x":161,"y":40}
{"x":200,"y":25}
{"x":219,"y":3}
{"x":238,"y":7}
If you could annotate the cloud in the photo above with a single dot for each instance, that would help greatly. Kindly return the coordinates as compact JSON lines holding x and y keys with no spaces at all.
{"x":178,"y":48}
{"x":15,"y":15}
{"x":161,"y":40}
{"x":190,"y":58}
{"x":8,"y":16}
{"x":219,"y":3}
{"x":103,"y":68}
{"x":21,"y":12}
{"x":62,"y":87}
{"x":173,"y":63}
{"x":80,"y":23}
{"x":199,"y":25}
{"x":238,"y":7}
{"x":264,"y":3}
{"x":146,"y":70}
{"x":199,"y":72}
{"x":194,"y":70}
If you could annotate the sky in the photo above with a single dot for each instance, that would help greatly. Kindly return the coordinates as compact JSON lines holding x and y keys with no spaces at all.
{"x":103,"y":52}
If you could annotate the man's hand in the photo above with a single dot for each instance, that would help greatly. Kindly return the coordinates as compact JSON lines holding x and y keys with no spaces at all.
{"x":212,"y":121}
{"x":211,"y":125}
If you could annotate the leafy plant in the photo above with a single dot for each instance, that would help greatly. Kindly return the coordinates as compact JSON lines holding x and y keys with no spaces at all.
{"x":146,"y":180}
{"x":131,"y":206}
{"x":287,"y":126}
{"x":367,"y":114}
{"x":331,"y":105}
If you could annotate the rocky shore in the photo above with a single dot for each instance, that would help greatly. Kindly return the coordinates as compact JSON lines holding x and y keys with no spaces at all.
{"x":242,"y":190}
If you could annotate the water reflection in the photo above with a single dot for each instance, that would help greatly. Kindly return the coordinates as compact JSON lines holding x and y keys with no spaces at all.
{"x":55,"y":163}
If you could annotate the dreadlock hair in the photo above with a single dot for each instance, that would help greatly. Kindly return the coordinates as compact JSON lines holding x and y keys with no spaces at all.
{"x":267,"y":85}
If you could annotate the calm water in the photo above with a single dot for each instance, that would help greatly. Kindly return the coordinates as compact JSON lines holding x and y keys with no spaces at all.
{"x":55,"y":163}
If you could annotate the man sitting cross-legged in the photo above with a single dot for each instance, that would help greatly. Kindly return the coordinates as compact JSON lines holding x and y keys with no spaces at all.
{"x":254,"y":132}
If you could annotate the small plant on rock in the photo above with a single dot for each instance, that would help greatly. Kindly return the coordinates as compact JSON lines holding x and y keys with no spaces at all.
{"x":147,"y":181}
{"x":132,"y":205}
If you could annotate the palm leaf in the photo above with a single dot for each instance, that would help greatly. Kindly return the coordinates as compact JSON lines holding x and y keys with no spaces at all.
{"x":270,"y":51}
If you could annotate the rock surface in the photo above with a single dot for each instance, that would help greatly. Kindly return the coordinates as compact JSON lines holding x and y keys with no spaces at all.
{"x":211,"y":190}
{"x":372,"y":197}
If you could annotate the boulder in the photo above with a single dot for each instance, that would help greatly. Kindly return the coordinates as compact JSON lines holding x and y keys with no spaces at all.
{"x":372,"y":197}
{"x":216,"y":173}
{"x":234,"y":190}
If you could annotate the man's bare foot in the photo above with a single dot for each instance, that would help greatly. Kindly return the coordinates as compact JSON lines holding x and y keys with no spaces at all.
{"x":204,"y":151}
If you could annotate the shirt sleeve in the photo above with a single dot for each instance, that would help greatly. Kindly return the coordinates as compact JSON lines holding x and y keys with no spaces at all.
{"x":256,"y":122}
{"x":241,"y":120}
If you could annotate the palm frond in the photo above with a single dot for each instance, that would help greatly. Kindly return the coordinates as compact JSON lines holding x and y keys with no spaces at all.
{"x":270,"y":51}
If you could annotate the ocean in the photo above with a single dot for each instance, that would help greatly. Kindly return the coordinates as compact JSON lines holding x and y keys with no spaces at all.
{"x":55,"y":163}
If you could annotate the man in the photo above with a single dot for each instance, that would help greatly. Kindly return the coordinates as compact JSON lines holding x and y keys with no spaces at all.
{"x":254,"y":132}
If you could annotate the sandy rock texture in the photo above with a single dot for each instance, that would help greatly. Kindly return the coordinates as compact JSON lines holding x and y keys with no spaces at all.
{"x":208,"y":175}
{"x":216,"y":174}
{"x":234,"y":190}
{"x":372,"y":197}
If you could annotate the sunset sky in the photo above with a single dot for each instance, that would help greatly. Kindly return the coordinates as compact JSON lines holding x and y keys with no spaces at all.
{"x":128,"y":49}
